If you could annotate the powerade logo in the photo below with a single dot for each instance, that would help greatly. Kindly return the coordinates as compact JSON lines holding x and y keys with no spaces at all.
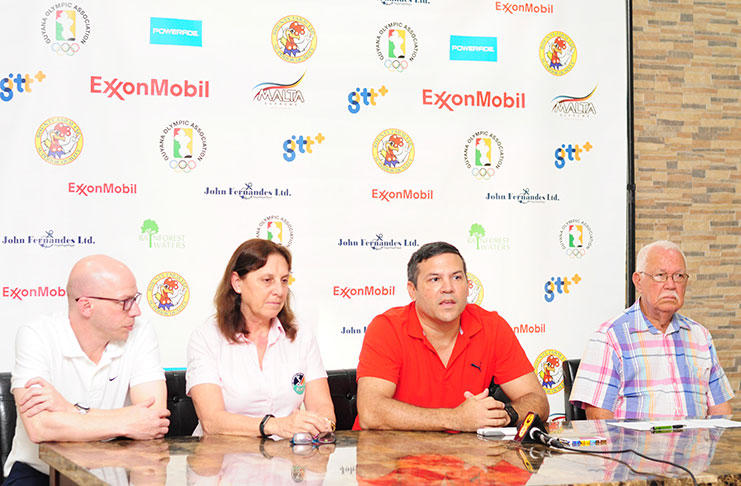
{"x":20,"y":293}
{"x":300,"y":143}
{"x":571,"y":153}
{"x":48,"y":240}
{"x":175,"y":32}
{"x":21,"y":83}
{"x":559,"y":286}
{"x":359,"y":98}
{"x":472,"y":48}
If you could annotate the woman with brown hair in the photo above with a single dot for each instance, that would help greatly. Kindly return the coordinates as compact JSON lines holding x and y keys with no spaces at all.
{"x":250,"y":368}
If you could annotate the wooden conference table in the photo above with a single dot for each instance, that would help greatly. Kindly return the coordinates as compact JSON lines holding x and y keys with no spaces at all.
{"x":401,"y":458}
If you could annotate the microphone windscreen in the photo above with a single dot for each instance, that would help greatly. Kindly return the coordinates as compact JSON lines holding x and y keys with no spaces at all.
{"x":532,"y":421}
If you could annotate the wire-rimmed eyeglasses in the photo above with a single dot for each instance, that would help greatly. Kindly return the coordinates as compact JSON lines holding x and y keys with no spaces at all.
{"x":663,"y":277}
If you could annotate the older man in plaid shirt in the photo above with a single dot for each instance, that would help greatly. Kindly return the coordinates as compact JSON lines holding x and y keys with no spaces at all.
{"x":651,"y":362}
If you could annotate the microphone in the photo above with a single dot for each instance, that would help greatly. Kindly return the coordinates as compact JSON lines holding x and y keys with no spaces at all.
{"x":532,"y":431}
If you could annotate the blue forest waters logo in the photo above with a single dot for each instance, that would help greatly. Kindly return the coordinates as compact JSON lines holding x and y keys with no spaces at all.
{"x":477,"y":236}
{"x":168,"y":294}
{"x":65,"y":27}
{"x":58,"y":140}
{"x":293,"y":39}
{"x":150,"y":232}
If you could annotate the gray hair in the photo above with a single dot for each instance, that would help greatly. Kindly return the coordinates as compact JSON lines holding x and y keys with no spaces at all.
{"x":663,"y":244}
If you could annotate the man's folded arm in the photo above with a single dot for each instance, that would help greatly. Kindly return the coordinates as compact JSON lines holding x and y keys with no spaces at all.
{"x":527,"y":395}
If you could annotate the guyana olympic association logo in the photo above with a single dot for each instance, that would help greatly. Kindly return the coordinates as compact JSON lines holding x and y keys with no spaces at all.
{"x":65,"y":28}
{"x":298,"y":383}
{"x":483,"y":154}
{"x":182,"y":144}
{"x":293,"y":39}
{"x":58,"y":140}
{"x":276,"y":229}
{"x":393,"y":151}
{"x":549,"y":368}
{"x":576,"y":238}
{"x":475,"y":289}
{"x":557,"y":53}
{"x":168,"y":294}
{"x":396,"y":46}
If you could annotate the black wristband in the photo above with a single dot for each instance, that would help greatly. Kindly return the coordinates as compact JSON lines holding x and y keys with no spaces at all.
{"x":263,"y":422}
{"x":262,"y":449}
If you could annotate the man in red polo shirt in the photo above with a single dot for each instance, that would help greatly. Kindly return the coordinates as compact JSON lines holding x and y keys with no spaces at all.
{"x":428,"y":365}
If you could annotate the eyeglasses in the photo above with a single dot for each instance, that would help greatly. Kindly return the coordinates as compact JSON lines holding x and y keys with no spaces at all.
{"x":304,"y":438}
{"x":127,"y":303}
{"x":662,"y":277}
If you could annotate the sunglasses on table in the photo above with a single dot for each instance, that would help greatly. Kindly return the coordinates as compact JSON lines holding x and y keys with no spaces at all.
{"x":304,"y":438}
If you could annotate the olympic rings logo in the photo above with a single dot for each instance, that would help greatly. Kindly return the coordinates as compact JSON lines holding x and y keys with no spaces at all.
{"x":183,"y":165}
{"x":483,"y":173}
{"x":576,"y":252}
{"x":397,"y":65}
{"x":65,"y":48}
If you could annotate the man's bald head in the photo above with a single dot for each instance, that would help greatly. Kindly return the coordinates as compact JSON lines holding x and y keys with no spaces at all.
{"x":99,"y":275}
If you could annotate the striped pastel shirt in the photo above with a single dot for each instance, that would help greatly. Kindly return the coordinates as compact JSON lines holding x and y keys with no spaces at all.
{"x":635,"y":370}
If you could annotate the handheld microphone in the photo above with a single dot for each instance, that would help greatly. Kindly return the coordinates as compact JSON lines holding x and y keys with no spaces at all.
{"x":532,"y":431}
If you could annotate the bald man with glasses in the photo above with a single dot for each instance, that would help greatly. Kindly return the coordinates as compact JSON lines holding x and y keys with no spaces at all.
{"x":92,"y":374}
{"x":651,"y":362}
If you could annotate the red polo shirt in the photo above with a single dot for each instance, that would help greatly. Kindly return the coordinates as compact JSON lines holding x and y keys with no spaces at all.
{"x":396,"y":349}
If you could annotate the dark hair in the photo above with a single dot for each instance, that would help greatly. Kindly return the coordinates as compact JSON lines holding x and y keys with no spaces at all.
{"x":248,"y":257}
{"x":427,"y":251}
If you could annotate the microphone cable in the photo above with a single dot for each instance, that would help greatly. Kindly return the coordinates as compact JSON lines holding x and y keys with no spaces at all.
{"x":554,"y":443}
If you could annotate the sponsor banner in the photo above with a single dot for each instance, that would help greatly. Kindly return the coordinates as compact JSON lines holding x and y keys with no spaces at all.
{"x":65,"y":27}
{"x":538,"y":328}
{"x":168,"y":294}
{"x":477,"y":236}
{"x":19,"y":83}
{"x":549,"y":368}
{"x":20,"y":293}
{"x":571,"y":107}
{"x":483,"y":154}
{"x":570,"y":153}
{"x":175,"y":32}
{"x":404,"y":2}
{"x":249,"y":192}
{"x":183,"y":145}
{"x":559,"y":286}
{"x":276,"y":94}
{"x":152,"y":87}
{"x":150,"y":232}
{"x":475,"y":289}
{"x":293,"y":39}
{"x":557,"y":53}
{"x":524,"y":8}
{"x":525,"y":196}
{"x":576,"y":238}
{"x":473,"y":48}
{"x":360,"y":98}
{"x":276,"y":229}
{"x":393,"y":151}
{"x":48,"y":240}
{"x":378,"y":242}
{"x":367,"y":291}
{"x":300,"y":144}
{"x":404,"y":194}
{"x":486,"y":99}
{"x":396,"y":46}
{"x":58,"y":140}
{"x":84,"y":189}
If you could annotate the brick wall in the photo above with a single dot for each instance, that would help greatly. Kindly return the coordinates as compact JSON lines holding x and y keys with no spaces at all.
{"x":687,"y":117}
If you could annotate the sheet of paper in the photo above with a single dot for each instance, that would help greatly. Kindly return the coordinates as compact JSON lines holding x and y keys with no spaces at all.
{"x":685,"y":423}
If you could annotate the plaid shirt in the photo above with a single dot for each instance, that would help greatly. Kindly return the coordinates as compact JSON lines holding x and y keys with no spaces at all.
{"x":636,"y":371}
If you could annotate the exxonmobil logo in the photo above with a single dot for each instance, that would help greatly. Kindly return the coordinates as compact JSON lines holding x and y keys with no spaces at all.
{"x":152,"y":87}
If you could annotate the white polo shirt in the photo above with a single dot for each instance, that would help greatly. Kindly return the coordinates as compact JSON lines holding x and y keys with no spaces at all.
{"x":48,"y":348}
{"x":278,"y":388}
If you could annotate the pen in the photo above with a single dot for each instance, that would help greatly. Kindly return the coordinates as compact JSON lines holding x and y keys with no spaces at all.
{"x":667,"y":428}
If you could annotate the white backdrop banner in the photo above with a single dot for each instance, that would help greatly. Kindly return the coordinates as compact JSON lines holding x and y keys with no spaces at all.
{"x":166,"y":133}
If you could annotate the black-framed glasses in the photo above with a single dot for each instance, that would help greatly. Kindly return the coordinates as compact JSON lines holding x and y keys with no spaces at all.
{"x":304,"y":438}
{"x":663,"y":277}
{"x":127,"y":303}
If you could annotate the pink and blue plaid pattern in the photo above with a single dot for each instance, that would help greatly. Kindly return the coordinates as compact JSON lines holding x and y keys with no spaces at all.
{"x":630,"y":367}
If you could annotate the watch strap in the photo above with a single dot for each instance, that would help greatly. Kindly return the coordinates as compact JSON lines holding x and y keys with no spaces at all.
{"x":263,"y":422}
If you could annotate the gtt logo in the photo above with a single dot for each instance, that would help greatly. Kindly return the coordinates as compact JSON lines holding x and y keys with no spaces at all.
{"x":300,"y":143}
{"x":571,"y":153}
{"x":21,"y":83}
{"x":558,"y":285}
{"x":359,"y":98}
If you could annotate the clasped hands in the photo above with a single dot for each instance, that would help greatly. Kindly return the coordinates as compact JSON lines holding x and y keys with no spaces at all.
{"x":479,"y":411}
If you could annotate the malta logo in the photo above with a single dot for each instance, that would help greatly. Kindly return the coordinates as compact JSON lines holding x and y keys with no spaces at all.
{"x":298,"y":383}
{"x":276,"y":229}
{"x":393,"y":151}
{"x":396,"y":46}
{"x":549,"y":368}
{"x":182,"y":145}
{"x":293,"y":39}
{"x":576,"y":238}
{"x":475,"y":289}
{"x":557,"y":53}
{"x":58,"y":141}
{"x":64,"y":29}
{"x":168,"y":294}
{"x":483,"y":154}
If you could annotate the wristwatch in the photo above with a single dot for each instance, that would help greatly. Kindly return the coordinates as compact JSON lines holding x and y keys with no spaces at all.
{"x":513,"y":417}
{"x":82,"y":408}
